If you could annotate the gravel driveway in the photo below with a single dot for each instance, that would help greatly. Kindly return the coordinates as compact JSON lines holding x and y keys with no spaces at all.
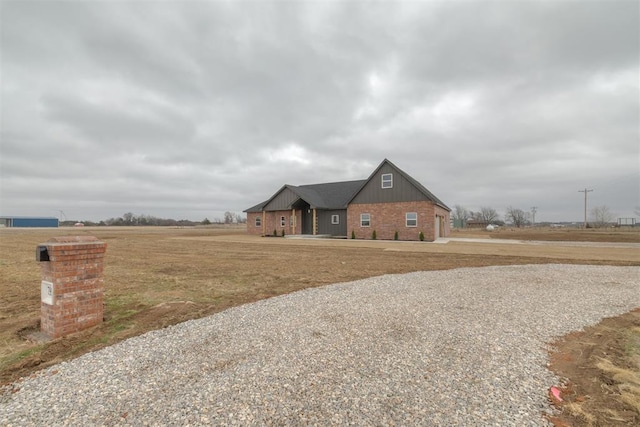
{"x":458,"y":347}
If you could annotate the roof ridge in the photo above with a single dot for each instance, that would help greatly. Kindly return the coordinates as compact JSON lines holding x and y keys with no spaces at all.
{"x":333,"y":182}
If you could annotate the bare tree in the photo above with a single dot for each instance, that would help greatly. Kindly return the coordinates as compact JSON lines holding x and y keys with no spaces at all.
{"x":228,"y":217}
{"x":518,"y":217}
{"x":460,"y":213}
{"x":601,"y":216}
{"x":637,"y":210}
{"x":488,"y":214}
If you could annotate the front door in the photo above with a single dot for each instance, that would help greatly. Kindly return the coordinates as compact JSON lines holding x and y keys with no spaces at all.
{"x":307,"y":220}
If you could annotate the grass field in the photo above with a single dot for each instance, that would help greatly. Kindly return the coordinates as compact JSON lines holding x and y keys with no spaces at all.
{"x":155,"y":277}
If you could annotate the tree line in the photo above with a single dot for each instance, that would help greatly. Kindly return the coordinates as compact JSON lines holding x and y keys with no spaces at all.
{"x":601,"y":216}
{"x":130,"y":219}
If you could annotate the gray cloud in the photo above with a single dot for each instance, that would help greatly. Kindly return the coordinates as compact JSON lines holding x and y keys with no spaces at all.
{"x":186,"y":109}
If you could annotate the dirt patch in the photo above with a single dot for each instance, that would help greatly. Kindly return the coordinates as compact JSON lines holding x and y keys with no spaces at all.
{"x":601,"y":368}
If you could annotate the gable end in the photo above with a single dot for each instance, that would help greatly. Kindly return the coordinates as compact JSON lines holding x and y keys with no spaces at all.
{"x":404,"y":188}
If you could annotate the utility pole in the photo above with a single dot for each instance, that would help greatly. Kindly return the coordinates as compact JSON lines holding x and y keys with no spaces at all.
{"x":534,"y":209}
{"x":585,"y":191}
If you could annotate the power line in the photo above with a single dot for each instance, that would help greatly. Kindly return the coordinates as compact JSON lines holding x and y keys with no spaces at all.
{"x":585,"y":191}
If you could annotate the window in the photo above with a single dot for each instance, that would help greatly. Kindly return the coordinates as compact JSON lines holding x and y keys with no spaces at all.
{"x":291,"y":220}
{"x":412,"y":219}
{"x":365,"y":220}
{"x":258,"y":221}
{"x":387,"y":180}
{"x":335,"y":219}
{"x":283,"y":221}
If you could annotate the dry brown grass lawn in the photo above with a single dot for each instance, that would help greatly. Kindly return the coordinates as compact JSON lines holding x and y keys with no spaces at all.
{"x":156,"y":277}
{"x":621,"y":234}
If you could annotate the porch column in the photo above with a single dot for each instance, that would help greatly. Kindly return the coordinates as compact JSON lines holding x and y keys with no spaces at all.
{"x":293,"y":221}
{"x":264,"y":222}
{"x":314,"y":221}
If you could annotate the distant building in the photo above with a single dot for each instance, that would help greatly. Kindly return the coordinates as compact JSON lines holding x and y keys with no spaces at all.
{"x":476,"y":223}
{"x":28,"y":221}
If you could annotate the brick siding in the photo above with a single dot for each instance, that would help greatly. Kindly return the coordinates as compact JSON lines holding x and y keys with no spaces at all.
{"x":271,"y":221}
{"x":387,"y":218}
{"x":76,"y":270}
{"x":251,"y":223}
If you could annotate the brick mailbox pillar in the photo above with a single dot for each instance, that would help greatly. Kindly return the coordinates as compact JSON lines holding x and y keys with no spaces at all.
{"x":72,"y":284}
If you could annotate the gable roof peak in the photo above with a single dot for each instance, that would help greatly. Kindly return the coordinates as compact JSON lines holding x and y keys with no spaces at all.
{"x":428,"y":194}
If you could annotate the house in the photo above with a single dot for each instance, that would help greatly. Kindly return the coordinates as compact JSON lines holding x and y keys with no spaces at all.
{"x":387,"y":202}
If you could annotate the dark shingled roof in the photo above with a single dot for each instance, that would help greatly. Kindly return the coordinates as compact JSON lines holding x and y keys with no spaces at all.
{"x":338,"y":195}
{"x":333,"y":195}
{"x":256,"y":208}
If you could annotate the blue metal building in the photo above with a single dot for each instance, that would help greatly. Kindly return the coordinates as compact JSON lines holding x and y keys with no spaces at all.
{"x":28,"y":221}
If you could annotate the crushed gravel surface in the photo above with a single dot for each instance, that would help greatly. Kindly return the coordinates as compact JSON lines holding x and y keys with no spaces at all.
{"x":457,"y":347}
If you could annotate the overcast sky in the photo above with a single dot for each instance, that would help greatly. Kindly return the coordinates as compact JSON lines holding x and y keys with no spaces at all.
{"x":187,"y":109}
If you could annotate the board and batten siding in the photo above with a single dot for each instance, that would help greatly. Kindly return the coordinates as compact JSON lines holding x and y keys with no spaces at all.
{"x":282,"y":201}
{"x":326,"y":227}
{"x":402,"y":191}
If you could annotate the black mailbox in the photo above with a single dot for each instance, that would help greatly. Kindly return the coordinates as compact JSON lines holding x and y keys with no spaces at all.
{"x":42,"y":254}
